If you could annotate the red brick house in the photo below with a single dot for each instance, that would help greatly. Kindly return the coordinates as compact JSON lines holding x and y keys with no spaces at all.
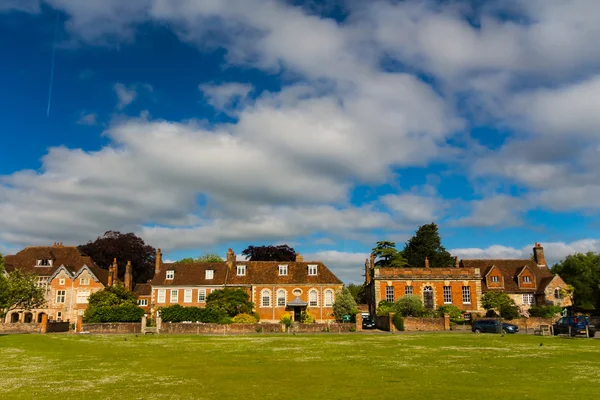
{"x":275,"y":288}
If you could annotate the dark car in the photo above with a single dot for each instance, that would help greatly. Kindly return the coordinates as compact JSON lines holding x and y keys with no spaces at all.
{"x":368,"y":323}
{"x":574,"y":326}
{"x":493,"y":326}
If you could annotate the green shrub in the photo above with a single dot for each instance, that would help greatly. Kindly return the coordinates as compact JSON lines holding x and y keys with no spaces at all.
{"x":177,"y":313}
{"x":286,"y":319}
{"x":384,"y":308}
{"x":226,"y":320}
{"x":259,"y":329}
{"x":451,"y":310}
{"x":398,"y":322}
{"x":255,"y":315}
{"x":410,"y":306}
{"x":123,"y":313}
{"x":352,"y":329}
{"x":306,"y":317}
{"x":544,"y":311}
{"x":244,"y":319}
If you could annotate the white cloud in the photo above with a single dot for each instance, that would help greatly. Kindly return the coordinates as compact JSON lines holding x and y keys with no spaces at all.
{"x":497,"y":210}
{"x":126,"y":95}
{"x":225,"y":96}
{"x":414,"y":208}
{"x":348,"y":266}
{"x":31,"y":6}
{"x":88,"y":119}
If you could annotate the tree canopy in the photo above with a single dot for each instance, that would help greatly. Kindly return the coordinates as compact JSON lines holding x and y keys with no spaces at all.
{"x":427,"y":243}
{"x":124,"y":247}
{"x":229,"y":301}
{"x":270,"y":253}
{"x":19,"y":290}
{"x":113,"y":304}
{"x":207,"y":257}
{"x":344,"y":304}
{"x":358,"y":293}
{"x":112,"y":296}
{"x":582,"y":271}
{"x":500,"y":303}
{"x":387,"y":255}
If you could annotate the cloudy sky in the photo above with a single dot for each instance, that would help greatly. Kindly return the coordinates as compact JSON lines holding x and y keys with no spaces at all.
{"x":326,"y":125}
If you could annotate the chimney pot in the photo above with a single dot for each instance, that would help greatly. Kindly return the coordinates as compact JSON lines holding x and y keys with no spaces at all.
{"x":158,"y":262}
{"x":426,"y":262}
{"x":456,"y":263}
{"x":538,"y":255}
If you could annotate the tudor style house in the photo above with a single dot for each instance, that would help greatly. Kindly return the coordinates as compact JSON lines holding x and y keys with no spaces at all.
{"x":275,"y":288}
{"x":68,"y":278}
{"x":527,"y":281}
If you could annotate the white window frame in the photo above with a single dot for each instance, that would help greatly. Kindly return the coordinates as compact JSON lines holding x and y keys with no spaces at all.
{"x":265,"y":294}
{"x":241,"y":270}
{"x":313,"y":302}
{"x":61,"y":281}
{"x":528,"y":299}
{"x":84,"y":281}
{"x":526,"y":279}
{"x":187,"y":296}
{"x":61,"y":296}
{"x":328,"y":298}
{"x":557,"y":294}
{"x":408,"y":290}
{"x":171,"y":297}
{"x":466,"y":294}
{"x":283,"y":270}
{"x":209,"y":274}
{"x":495,"y":279}
{"x":59,"y":316}
{"x":281,"y":298}
{"x":142,"y":302}
{"x":170,"y":275}
{"x":161,"y":296}
{"x":390,"y":295}
{"x":80,"y":296}
{"x":447,"y":295}
{"x":312,"y":270}
{"x":201,"y":295}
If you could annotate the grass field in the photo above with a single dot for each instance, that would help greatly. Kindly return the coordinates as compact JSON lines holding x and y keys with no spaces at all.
{"x":423,"y":366}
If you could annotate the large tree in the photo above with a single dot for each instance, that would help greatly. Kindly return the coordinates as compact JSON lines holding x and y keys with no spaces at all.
{"x":113,"y":304}
{"x":19,"y":290}
{"x":582,"y":271}
{"x":207,"y":257}
{"x":387,"y":255}
{"x":358,"y":293}
{"x":230,"y":301}
{"x":427,"y":243}
{"x":124,"y":247}
{"x":270,"y":253}
{"x":344,"y":304}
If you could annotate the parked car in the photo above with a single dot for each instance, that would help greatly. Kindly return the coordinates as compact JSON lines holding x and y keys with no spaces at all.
{"x":492,"y":326}
{"x":368,"y":323}
{"x":576,"y":324}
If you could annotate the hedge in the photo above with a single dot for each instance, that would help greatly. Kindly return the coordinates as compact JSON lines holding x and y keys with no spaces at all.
{"x":177,"y":313}
{"x":398,"y":322}
{"x":125,"y":313}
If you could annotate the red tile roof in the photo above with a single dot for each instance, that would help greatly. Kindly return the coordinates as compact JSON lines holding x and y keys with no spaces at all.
{"x":510,"y":269}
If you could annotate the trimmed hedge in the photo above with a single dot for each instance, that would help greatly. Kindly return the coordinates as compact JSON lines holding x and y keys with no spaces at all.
{"x":544,"y":311}
{"x":177,"y":313}
{"x":124,"y":313}
{"x":398,"y":322}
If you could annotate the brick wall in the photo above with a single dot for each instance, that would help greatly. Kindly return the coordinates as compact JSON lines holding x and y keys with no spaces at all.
{"x":123,"y":327}
{"x":383,"y":323}
{"x":54,"y":327}
{"x":20,"y":328}
{"x":423,"y":324}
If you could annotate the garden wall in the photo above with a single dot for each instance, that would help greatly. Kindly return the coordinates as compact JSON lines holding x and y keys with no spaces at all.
{"x":383,"y":323}
{"x":122,"y":327}
{"x":55,"y":327}
{"x":20,"y":327}
{"x":423,"y":324}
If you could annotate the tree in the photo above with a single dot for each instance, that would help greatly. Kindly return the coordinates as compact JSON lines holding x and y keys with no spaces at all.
{"x":113,"y":304}
{"x":344,"y":304}
{"x":124,"y":247}
{"x":582,"y":271}
{"x":19,"y":290}
{"x":409,"y":306}
{"x":358,"y":293}
{"x":112,"y":296}
{"x":270,"y":253}
{"x":230,"y":301}
{"x":500,"y":303}
{"x":207,"y":257}
{"x":427,"y":243}
{"x":387,"y":255}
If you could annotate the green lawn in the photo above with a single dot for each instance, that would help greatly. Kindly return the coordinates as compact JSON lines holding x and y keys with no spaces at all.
{"x":332,"y":366}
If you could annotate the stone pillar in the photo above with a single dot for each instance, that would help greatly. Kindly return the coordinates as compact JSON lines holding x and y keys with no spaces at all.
{"x":78,"y":324}
{"x":144,"y":323}
{"x":359,"y":320}
{"x":44,"y":327}
{"x":446,"y":322}
{"x":391,"y":322}
{"x":158,"y":324}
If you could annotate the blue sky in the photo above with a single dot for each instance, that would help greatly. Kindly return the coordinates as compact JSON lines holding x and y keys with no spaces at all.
{"x":326,"y":125}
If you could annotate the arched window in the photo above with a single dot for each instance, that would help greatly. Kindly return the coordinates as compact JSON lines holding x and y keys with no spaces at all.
{"x":557,"y":294}
{"x":328,"y":298}
{"x":266,"y":298}
{"x":281,"y":294}
{"x":313,"y":298}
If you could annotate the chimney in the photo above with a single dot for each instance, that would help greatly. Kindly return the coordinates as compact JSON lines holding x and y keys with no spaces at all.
{"x":230,"y":259}
{"x":299,"y":258}
{"x":367,"y":271}
{"x":456,"y":263}
{"x":372,"y":260}
{"x":110,"y":276}
{"x":426,"y":262}
{"x":115,"y":270}
{"x":538,"y":255}
{"x":158,"y":261}
{"x":128,"y":277}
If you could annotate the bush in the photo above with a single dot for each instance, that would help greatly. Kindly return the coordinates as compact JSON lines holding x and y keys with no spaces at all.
{"x":286,"y":319}
{"x":306,"y":317}
{"x":384,"y":308}
{"x":244,"y":319}
{"x":352,"y":329}
{"x":410,"y":306}
{"x":510,"y":312}
{"x":398,"y":322}
{"x":226,"y":320}
{"x":259,"y":329}
{"x":544,"y":311}
{"x":453,"y":311}
{"x":177,"y":313}
{"x":124,"y":313}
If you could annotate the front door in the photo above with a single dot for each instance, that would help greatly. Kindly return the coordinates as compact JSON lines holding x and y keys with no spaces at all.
{"x":428,"y":297}
{"x":297,"y":313}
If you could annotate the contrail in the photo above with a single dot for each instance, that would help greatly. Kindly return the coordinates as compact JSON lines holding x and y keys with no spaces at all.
{"x":52,"y":67}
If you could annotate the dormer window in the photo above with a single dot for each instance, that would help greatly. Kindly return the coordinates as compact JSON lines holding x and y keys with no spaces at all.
{"x":495,"y":279}
{"x":526,"y":279}
{"x":241,"y":270}
{"x":209,"y":274}
{"x":283,"y":270}
{"x":312,"y":270}
{"x":170,"y":274}
{"x":44,"y":263}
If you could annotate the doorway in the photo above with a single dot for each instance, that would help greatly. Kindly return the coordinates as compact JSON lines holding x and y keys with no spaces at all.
{"x":428,"y":297}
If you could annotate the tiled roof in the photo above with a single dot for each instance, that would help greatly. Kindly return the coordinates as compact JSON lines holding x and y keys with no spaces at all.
{"x":69,"y":256}
{"x":257,"y":272}
{"x":510,"y":269}
{"x":428,"y":273}
{"x":143,"y":289}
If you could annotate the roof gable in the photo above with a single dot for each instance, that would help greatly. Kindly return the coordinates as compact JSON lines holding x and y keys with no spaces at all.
{"x":510,"y":270}
{"x":69,"y":256}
